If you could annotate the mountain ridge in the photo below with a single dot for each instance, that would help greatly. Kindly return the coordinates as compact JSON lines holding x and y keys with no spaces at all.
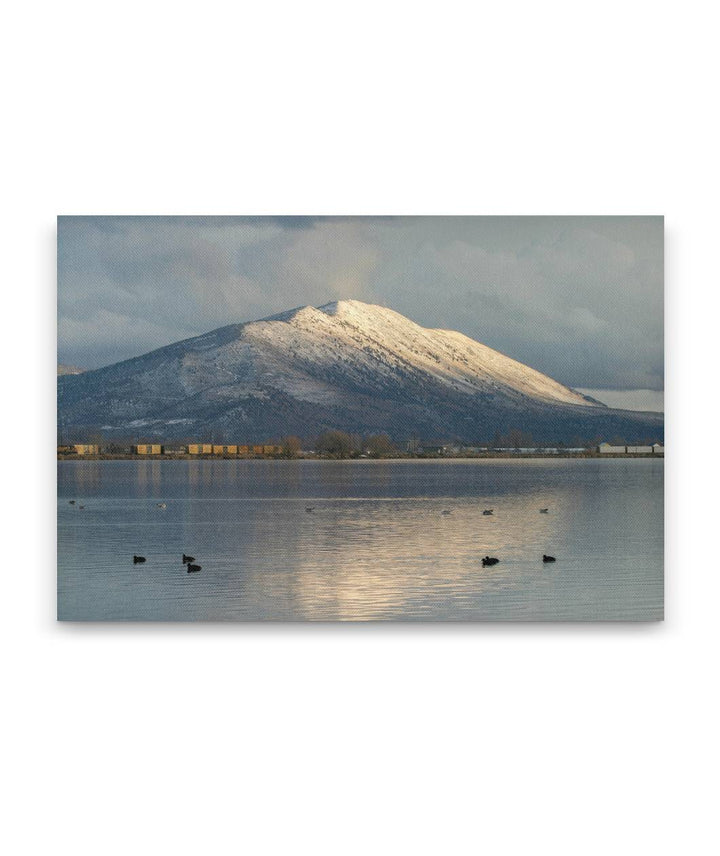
{"x":346,"y":365}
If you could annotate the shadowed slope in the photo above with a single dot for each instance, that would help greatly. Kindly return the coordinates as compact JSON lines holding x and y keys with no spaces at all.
{"x":345,"y":365}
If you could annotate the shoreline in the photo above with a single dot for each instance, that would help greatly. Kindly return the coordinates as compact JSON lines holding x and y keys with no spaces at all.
{"x":473,"y":457}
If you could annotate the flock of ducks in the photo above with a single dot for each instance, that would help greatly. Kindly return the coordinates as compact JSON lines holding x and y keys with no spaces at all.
{"x":192,"y":568}
{"x":188,"y":561}
{"x":489,"y":561}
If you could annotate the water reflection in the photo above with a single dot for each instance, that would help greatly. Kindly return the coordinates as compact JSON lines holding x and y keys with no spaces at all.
{"x":395,"y":552}
{"x":376,"y":546}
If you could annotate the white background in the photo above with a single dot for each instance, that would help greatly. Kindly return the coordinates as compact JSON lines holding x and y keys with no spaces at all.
{"x":359,"y":739}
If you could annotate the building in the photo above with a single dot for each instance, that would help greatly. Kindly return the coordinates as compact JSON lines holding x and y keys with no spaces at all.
{"x":85,"y":449}
{"x":146,"y":449}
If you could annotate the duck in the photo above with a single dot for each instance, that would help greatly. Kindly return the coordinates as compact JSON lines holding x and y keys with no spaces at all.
{"x":488,"y":511}
{"x":161,"y":505}
{"x":137,"y":559}
{"x":549,"y":558}
{"x":81,"y":507}
{"x":544,"y":510}
{"x":489,"y":560}
{"x":446,"y":511}
{"x":192,"y":569}
{"x":71,"y":502}
{"x":188,"y":559}
{"x":309,"y":508}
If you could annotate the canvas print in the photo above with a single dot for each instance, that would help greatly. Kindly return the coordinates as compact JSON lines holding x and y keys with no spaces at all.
{"x":360,"y":418}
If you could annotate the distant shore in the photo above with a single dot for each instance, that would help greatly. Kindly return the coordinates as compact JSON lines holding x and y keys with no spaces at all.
{"x":397,"y":457}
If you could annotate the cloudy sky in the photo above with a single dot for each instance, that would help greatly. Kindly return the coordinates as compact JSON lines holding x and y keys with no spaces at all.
{"x":579,"y":298}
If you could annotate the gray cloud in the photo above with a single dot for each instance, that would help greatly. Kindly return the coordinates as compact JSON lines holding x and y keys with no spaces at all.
{"x":580,"y":298}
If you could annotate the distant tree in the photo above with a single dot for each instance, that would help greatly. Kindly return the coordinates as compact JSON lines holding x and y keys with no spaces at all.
{"x":379,"y":445}
{"x":335,"y":443}
{"x":291,"y":447}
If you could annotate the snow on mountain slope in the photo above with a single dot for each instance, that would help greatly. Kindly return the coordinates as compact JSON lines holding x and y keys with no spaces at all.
{"x":377,"y":340}
{"x":346,"y":365}
{"x":450,"y":356}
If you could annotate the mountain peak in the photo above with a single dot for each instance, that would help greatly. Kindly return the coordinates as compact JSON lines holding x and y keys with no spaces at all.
{"x":345,"y":364}
{"x":343,"y":307}
{"x":355,"y":312}
{"x":358,"y":312}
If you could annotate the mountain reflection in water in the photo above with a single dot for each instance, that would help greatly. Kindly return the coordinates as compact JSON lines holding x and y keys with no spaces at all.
{"x":376,"y":546}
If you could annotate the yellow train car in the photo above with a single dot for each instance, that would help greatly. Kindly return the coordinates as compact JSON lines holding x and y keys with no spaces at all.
{"x":200,"y":448}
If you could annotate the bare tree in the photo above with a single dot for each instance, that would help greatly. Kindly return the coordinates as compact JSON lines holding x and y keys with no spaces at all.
{"x":379,"y":445}
{"x":335,"y":443}
{"x":291,"y":447}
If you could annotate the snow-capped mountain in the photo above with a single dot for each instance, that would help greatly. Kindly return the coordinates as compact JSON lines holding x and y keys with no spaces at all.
{"x":346,"y":365}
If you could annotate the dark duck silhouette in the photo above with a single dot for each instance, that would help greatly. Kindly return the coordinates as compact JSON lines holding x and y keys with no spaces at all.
{"x":193,"y":569}
{"x":544,"y":510}
{"x":488,"y":511}
{"x":548,"y":558}
{"x":489,"y":560}
{"x":188,"y":559}
{"x":310,"y":508}
{"x":137,"y":559}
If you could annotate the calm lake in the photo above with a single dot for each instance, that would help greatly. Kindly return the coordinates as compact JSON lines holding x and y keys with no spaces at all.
{"x":376,"y":545}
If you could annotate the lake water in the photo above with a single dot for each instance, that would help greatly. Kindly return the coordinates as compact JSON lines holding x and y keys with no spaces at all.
{"x":376,"y":546}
